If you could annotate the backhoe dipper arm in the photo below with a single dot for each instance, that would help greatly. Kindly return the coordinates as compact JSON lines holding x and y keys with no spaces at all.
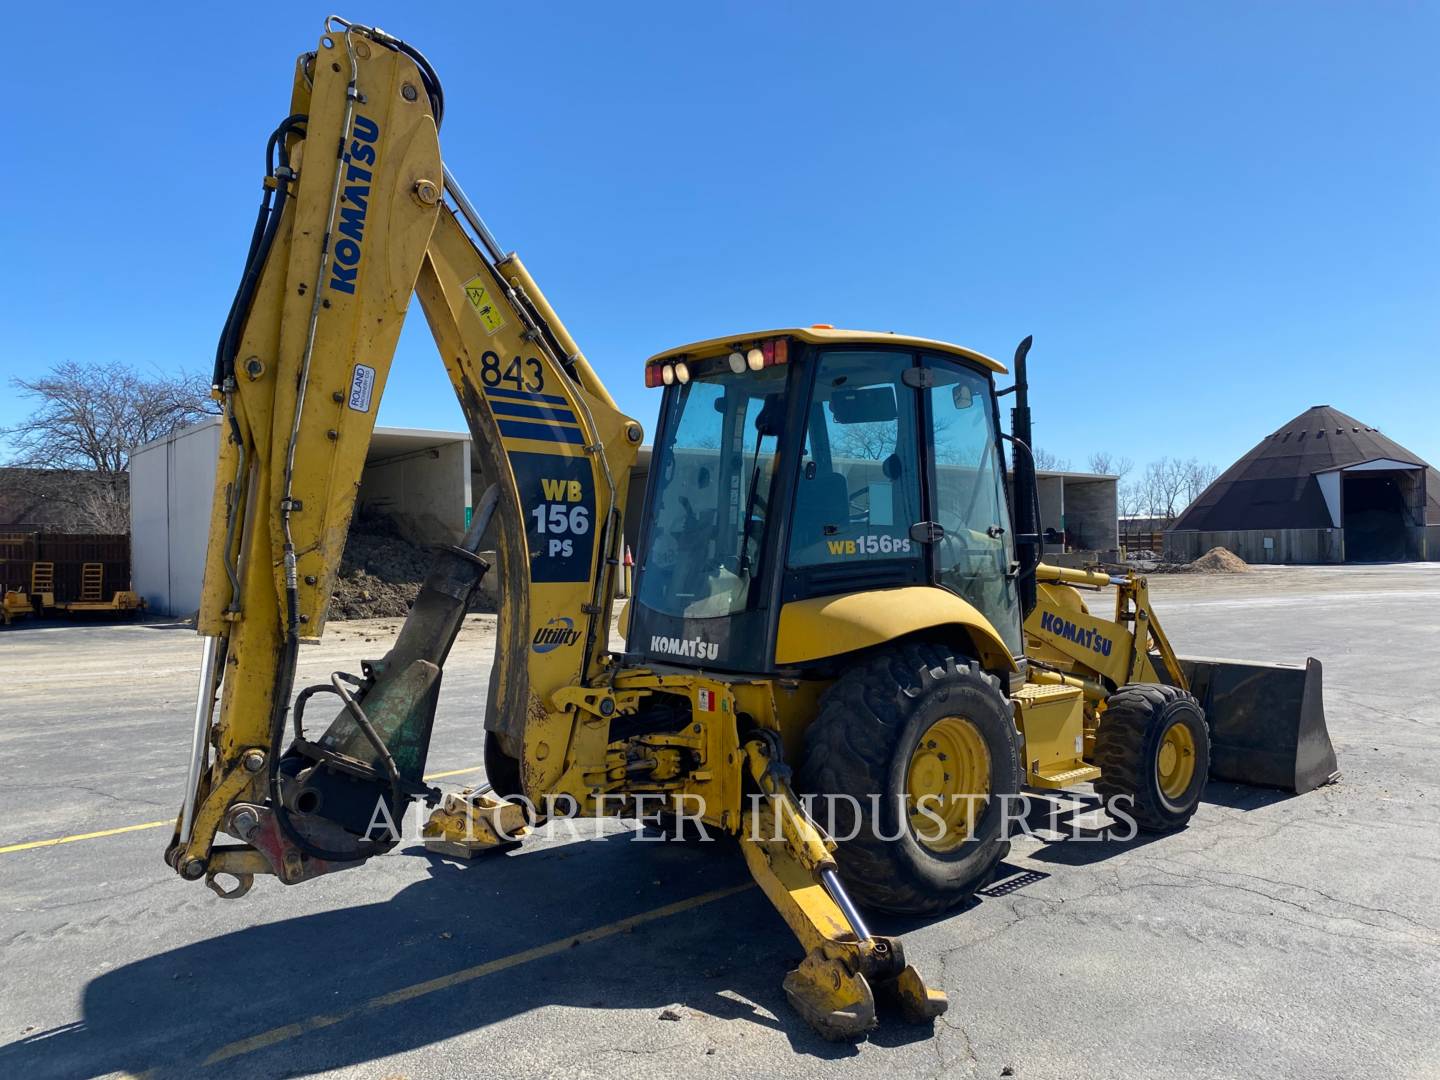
{"x":353,"y":221}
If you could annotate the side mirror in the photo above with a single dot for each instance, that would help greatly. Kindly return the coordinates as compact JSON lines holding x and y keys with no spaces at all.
{"x":962,"y":396}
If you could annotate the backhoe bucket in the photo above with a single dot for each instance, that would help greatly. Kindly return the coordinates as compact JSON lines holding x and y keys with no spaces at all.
{"x":1267,"y":722}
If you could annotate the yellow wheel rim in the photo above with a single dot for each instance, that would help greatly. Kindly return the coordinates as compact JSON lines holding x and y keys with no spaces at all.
{"x":949,"y":780}
{"x":1175,"y":763}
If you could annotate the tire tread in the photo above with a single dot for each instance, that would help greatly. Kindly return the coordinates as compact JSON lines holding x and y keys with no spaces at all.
{"x":849,"y":748}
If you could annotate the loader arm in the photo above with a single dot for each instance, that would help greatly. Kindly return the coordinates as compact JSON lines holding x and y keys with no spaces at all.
{"x":341,"y":243}
{"x":1266,"y":720}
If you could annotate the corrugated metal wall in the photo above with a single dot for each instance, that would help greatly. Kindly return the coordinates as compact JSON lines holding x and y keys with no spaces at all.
{"x":1286,"y":545}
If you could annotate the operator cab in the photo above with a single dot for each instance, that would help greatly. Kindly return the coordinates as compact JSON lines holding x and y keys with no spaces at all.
{"x":795,"y":464}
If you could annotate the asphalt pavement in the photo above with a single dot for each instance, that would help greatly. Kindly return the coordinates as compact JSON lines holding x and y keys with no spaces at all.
{"x":1276,"y":936}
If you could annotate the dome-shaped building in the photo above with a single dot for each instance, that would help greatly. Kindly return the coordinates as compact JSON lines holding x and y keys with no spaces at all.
{"x":1324,"y":488}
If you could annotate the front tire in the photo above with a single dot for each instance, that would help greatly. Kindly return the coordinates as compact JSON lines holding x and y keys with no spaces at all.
{"x":1153,"y":745}
{"x":911,"y":721}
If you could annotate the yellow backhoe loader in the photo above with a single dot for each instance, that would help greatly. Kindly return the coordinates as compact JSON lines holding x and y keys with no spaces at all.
{"x":835,"y":605}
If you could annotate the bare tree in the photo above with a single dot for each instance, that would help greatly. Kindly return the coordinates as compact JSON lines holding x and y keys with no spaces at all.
{"x":90,"y":415}
{"x":1169,"y":485}
{"x":1163,"y":485}
{"x":1198,"y":477}
{"x":1048,"y":461}
{"x":103,"y":506}
{"x":868,"y":440}
{"x":1130,"y":499}
{"x":88,"y":418}
{"x":1102,"y":461}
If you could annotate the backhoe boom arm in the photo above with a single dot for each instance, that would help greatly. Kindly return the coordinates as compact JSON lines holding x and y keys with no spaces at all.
{"x":341,"y":244}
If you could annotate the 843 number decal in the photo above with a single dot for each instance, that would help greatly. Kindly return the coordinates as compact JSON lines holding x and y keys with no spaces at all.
{"x":527,"y":375}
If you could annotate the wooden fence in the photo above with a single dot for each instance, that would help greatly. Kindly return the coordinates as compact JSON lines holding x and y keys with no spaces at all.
{"x":1143,"y":541}
{"x":20,"y":550}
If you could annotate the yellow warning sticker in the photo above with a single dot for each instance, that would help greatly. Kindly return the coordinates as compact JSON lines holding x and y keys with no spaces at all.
{"x":479,"y":297}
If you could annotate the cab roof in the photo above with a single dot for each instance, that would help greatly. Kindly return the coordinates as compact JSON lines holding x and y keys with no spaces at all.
{"x":823,"y":335}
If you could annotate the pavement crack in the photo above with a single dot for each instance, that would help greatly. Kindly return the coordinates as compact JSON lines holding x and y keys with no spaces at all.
{"x":1423,"y":932}
{"x":70,"y":785}
{"x":1420,"y":924}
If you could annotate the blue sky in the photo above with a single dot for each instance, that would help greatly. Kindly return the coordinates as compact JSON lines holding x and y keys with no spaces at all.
{"x":1210,"y":215}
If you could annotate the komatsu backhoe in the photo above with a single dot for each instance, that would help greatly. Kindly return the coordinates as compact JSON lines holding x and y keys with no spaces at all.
{"x":835,"y":603}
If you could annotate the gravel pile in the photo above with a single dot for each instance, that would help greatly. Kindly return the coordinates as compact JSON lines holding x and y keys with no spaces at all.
{"x":1218,"y":560}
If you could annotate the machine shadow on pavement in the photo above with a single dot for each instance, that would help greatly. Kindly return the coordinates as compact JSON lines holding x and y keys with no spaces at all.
{"x":166,"y":1014}
{"x":1086,"y":843}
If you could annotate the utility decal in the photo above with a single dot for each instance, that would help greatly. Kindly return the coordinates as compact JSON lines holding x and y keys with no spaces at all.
{"x":358,"y":165}
{"x":871,"y":545}
{"x":557,"y":633}
{"x":692,"y":648}
{"x":362,"y":388}
{"x":1085,"y":638}
{"x":705,"y":699}
{"x":557,"y":497}
{"x":479,"y":297}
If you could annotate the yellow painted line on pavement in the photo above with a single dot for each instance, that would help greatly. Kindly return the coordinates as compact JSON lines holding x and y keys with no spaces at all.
{"x":453,"y":772}
{"x":84,"y":836}
{"x":479,"y":971}
{"x":31,"y":844}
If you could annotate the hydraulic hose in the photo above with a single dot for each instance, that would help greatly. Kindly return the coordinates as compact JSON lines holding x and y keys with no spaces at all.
{"x":285,"y":675}
{"x":267,"y":224}
{"x":433,"y":89}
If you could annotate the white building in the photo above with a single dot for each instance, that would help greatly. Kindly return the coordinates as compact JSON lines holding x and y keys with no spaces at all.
{"x":420,"y":479}
{"x":423,"y":480}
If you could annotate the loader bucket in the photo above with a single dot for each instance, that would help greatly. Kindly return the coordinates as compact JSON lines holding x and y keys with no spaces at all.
{"x":1267,"y":722}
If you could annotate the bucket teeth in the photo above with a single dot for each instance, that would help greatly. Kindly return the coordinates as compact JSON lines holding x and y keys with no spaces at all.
{"x":467,"y":825}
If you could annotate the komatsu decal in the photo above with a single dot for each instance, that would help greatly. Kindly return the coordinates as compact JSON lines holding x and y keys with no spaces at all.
{"x":694,"y":648}
{"x":355,"y":204}
{"x":1064,"y":628}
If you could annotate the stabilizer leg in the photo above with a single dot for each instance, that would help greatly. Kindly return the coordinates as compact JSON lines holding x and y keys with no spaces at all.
{"x":845,"y":966}
{"x":473,"y":823}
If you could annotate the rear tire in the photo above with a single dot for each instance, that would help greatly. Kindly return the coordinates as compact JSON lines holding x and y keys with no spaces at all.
{"x":1153,"y":745}
{"x":866,"y":742}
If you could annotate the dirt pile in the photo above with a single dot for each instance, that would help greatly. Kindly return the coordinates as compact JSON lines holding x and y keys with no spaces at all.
{"x":381,"y":573}
{"x":358,"y":595}
{"x":1217,"y":560}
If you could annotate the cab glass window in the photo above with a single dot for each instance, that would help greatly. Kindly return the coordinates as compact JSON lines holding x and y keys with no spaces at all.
{"x":858,"y":491}
{"x":711,"y":499}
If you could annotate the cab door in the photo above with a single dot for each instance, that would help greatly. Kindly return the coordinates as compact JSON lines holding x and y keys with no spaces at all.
{"x":858,"y":493}
{"x":973,"y":553}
